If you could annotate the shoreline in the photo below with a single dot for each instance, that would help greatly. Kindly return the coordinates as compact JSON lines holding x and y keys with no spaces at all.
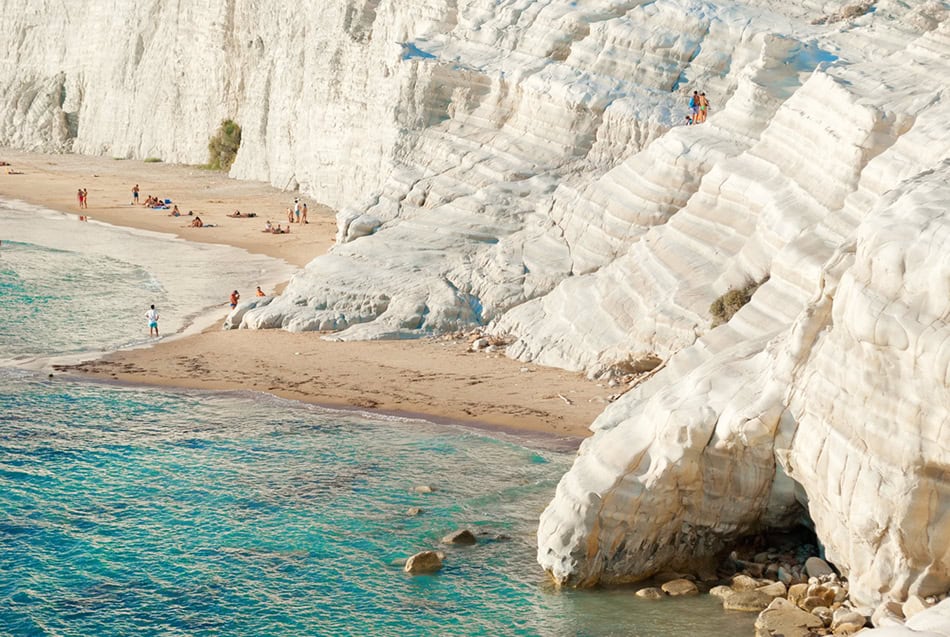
{"x":416,"y":379}
{"x":539,"y":440}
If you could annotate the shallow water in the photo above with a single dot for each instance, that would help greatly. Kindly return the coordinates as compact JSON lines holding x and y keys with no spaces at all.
{"x":161,"y":513}
{"x":68,"y":287}
{"x":138,"y":511}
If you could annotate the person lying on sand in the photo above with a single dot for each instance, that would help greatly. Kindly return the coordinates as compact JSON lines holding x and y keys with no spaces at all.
{"x":238,"y":215}
{"x":10,"y":171}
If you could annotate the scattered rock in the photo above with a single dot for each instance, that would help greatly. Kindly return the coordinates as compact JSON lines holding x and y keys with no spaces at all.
{"x":462,"y":537}
{"x":841,"y":593}
{"x":649,"y":593}
{"x":784,"y":576}
{"x":752,"y":568}
{"x":744,"y":583}
{"x":823,"y":613}
{"x":826,"y":594}
{"x":424,"y":562}
{"x":679,"y":587}
{"x":423,"y":488}
{"x":797,"y":592}
{"x":846,"y":621}
{"x":722,"y":592}
{"x":746,"y":601}
{"x":775,"y":589}
{"x":413,"y":511}
{"x":817,"y":567}
{"x":480,"y":344}
{"x":783,"y":618}
{"x":812,"y":602}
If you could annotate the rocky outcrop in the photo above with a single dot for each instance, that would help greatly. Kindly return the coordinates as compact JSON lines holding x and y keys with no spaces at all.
{"x":522,"y":167}
{"x":825,"y":391}
{"x":424,"y":563}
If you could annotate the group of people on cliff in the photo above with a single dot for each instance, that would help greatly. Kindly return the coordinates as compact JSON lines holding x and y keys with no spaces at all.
{"x":698,"y":108}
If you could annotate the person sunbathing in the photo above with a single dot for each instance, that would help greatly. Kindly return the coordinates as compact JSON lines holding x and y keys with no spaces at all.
{"x":196,"y":223}
{"x":175,"y":212}
{"x":268,"y":227}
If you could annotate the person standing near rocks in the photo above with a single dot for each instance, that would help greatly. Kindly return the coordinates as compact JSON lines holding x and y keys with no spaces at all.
{"x":135,"y":195}
{"x":297,"y":210}
{"x":152,"y":317}
{"x":703,"y":107}
{"x":235,"y":297}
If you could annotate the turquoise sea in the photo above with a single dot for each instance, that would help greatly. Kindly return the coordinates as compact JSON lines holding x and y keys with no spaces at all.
{"x":133,"y":511}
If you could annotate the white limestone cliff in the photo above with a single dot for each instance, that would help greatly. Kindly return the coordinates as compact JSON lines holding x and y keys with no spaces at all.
{"x":522,"y":165}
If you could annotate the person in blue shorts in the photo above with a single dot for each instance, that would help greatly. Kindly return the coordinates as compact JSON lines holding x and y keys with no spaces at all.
{"x":152,"y":317}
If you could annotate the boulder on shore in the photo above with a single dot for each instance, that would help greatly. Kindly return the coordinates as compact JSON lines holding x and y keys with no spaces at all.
{"x":784,"y":618}
{"x":680,"y":587}
{"x":817,"y":567}
{"x":747,"y":601}
{"x":651,"y":592}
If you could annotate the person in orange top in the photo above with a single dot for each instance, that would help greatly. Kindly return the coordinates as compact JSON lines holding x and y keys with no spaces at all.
{"x":260,"y":292}
{"x":234,"y":299}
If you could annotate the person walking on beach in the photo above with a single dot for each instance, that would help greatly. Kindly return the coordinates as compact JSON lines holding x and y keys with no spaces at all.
{"x":135,"y":194}
{"x":303,"y":212}
{"x":296,"y":210}
{"x":235,"y":297}
{"x":152,"y":317}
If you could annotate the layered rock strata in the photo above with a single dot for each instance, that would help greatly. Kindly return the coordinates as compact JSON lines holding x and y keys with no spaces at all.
{"x":522,"y":166}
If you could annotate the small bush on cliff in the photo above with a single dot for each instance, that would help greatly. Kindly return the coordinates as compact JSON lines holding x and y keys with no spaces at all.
{"x":152,"y":160}
{"x":223,"y":147}
{"x":723,"y":308}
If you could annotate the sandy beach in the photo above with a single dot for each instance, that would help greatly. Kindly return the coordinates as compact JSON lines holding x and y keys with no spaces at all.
{"x":437,"y":378}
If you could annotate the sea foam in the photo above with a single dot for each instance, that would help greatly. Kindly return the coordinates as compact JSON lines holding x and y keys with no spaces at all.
{"x":74,"y":289}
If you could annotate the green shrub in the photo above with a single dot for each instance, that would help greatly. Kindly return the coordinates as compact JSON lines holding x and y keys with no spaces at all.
{"x":723,"y":308}
{"x":152,"y":160}
{"x":223,"y":147}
